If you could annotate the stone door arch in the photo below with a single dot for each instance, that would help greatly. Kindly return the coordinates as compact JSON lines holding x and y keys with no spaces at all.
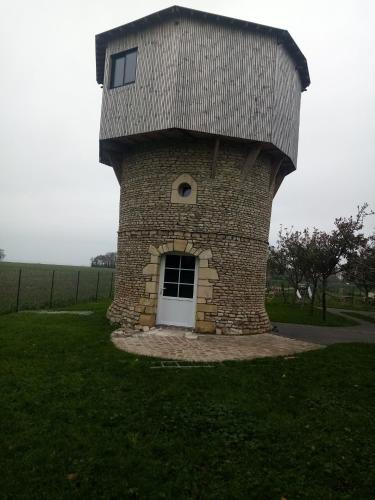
{"x":206,"y":309}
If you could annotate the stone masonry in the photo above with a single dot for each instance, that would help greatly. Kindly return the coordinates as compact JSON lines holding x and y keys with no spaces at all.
{"x":226,"y":229}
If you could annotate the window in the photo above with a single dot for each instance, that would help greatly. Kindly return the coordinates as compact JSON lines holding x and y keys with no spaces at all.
{"x":123,"y":68}
{"x":184,"y":189}
{"x":179,"y":276}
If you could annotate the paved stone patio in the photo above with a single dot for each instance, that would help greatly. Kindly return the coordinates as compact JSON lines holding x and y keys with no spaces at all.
{"x":179,"y":344}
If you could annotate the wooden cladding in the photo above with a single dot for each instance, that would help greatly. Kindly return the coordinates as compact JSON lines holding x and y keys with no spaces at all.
{"x":205,"y":77}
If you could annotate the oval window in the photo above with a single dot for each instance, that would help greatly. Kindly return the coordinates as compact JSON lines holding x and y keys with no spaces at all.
{"x":184,"y":190}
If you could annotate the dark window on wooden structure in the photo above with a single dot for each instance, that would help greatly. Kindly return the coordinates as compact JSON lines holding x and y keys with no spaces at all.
{"x":123,"y":68}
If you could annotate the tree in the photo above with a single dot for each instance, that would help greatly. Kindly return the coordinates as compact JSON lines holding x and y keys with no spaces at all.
{"x":360,"y":267}
{"x":287,"y":258}
{"x":332,"y":249}
{"x":317,"y":255}
{"x":106,"y":260}
{"x":2,"y":254}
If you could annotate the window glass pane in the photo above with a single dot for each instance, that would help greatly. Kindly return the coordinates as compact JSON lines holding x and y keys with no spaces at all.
{"x":172,"y":261}
{"x":186,"y":291}
{"x":118,"y":67}
{"x":187,"y":277}
{"x":130,"y":67}
{"x":170,"y":290}
{"x":171,"y":275}
{"x":188,"y":262}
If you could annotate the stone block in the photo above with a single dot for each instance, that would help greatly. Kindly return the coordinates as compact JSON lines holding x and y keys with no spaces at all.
{"x":206,"y":254}
{"x":211,"y":308}
{"x":203,"y":282}
{"x":179,"y":245}
{"x":154,"y":259}
{"x":205,"y":327}
{"x":205,"y":292}
{"x":151,"y":269}
{"x":189,"y":247}
{"x":151,"y":287}
{"x":147,"y":302}
{"x":208,"y":273}
{"x":153,"y":251}
{"x":203,"y":263}
{"x":147,"y":319}
{"x":200,"y":315}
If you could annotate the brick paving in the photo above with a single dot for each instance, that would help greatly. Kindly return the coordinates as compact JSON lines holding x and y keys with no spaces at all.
{"x":178,"y":344}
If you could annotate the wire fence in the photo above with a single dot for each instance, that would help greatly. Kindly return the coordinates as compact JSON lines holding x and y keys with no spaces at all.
{"x":33,"y":288}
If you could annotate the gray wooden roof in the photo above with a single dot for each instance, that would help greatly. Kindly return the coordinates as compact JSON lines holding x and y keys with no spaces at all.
{"x":285,"y":38}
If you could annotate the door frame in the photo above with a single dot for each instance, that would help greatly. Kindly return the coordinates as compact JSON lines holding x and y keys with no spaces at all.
{"x":161,"y":287}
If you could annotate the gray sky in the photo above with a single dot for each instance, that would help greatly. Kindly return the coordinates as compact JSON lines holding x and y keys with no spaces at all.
{"x":59,"y":205}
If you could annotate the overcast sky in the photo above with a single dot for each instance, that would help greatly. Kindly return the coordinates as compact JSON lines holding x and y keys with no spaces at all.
{"x":59,"y":205}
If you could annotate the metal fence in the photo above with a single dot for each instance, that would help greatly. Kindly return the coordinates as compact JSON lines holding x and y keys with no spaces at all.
{"x":36,"y":288}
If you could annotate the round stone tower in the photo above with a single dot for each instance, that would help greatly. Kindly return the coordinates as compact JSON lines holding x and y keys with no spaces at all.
{"x":200,"y":118}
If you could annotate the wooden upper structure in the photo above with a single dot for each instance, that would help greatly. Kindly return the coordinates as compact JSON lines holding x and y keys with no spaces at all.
{"x":205,"y":75}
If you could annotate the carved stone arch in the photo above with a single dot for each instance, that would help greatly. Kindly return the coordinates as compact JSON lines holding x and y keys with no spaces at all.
{"x":177,"y":197}
{"x":206,"y":310}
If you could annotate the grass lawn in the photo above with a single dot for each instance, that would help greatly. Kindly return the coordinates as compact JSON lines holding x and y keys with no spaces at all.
{"x":80,"y":419}
{"x":355,"y":306}
{"x":363,"y":317}
{"x":294,"y":313}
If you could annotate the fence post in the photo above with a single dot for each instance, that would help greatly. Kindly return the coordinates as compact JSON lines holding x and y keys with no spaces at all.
{"x":18,"y":291}
{"x":51,"y":292}
{"x":78,"y":273}
{"x":97,"y":287}
{"x":110,"y":288}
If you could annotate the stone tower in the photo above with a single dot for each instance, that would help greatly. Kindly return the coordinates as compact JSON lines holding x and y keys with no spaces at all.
{"x":200,"y":118}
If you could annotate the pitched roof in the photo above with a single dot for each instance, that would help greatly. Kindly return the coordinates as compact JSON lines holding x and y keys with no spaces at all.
{"x":102,"y":39}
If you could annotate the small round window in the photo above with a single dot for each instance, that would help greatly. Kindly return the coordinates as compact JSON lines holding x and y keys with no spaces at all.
{"x":184,"y":190}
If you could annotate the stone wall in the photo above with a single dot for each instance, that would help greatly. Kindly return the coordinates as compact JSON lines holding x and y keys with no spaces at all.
{"x":226,"y":229}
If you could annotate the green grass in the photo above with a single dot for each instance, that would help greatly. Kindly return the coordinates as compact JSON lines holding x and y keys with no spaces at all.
{"x":36,"y":282}
{"x":80,"y":419}
{"x":294,"y":313}
{"x":356,"y":305}
{"x":363,"y":317}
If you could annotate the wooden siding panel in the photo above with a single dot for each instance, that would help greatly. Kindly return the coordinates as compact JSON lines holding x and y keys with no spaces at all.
{"x":147,"y":104}
{"x":286,"y":105}
{"x":225,"y":80}
{"x":206,"y":77}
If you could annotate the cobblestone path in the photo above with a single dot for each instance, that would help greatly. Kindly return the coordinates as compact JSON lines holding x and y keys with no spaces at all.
{"x":180,"y":344}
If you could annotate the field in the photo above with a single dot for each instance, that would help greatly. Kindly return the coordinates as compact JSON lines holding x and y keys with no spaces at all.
{"x":36,"y":285}
{"x":81,"y":419}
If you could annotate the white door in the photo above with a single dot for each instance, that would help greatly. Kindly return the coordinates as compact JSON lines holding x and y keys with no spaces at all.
{"x":177,"y":290}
